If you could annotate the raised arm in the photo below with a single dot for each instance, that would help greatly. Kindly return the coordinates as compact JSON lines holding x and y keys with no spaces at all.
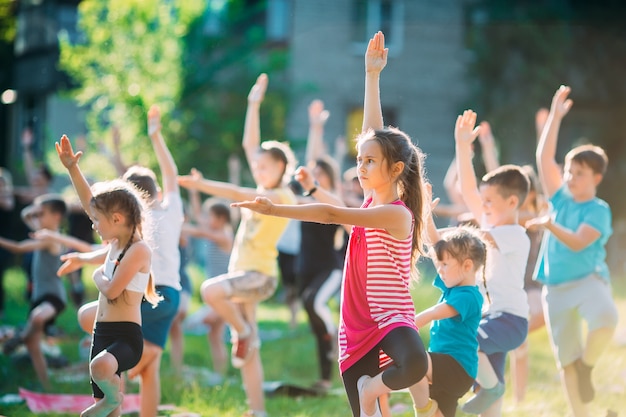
{"x":465,"y":132}
{"x":318,"y":116}
{"x":69,"y":159}
{"x":375,"y":61}
{"x":488,"y":147}
{"x":548,"y":169}
{"x":169,"y":171}
{"x":115,"y":156}
{"x":252,"y":125}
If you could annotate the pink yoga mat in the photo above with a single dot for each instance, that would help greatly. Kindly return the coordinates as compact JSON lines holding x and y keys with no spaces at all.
{"x":70,"y":403}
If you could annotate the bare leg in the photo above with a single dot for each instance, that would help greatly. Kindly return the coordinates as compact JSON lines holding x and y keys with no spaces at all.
{"x":486,"y":377}
{"x":103,"y":368}
{"x":33,"y":335}
{"x":217,"y":295}
{"x":148,"y":369}
{"x":569,"y":381}
{"x":373,"y":388}
{"x":176,"y":334}
{"x":252,"y":370}
{"x":519,"y":371}
{"x":219,"y":354}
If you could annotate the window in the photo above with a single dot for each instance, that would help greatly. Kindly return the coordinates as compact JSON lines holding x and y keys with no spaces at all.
{"x":370,"y":16}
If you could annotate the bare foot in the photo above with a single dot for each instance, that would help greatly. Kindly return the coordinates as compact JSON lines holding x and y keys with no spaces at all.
{"x":103,"y":407}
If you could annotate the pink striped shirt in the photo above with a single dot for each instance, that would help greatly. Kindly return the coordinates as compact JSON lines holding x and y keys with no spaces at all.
{"x":375,"y":297}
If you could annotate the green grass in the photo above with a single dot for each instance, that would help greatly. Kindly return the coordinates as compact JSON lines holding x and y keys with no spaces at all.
{"x":292,"y":358}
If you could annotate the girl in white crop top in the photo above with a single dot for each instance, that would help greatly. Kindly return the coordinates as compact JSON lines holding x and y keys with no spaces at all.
{"x":116,"y":210}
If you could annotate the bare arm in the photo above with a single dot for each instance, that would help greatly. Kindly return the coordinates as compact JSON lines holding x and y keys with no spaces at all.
{"x":68,"y":241}
{"x":548,"y":169}
{"x":575,"y":240}
{"x":69,"y":159}
{"x":437,"y":312}
{"x":252,"y":125}
{"x":222,"y":238}
{"x":393,"y":218}
{"x":315,"y":147}
{"x":74,"y":261}
{"x":24,"y":246}
{"x":194,"y":181}
{"x":169,"y":170}
{"x":136,"y":259}
{"x":375,"y":61}
{"x":488,"y":147}
{"x":465,"y":133}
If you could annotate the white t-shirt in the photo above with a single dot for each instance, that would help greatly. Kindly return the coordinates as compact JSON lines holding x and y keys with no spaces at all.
{"x":506,"y":266}
{"x":165,"y":230}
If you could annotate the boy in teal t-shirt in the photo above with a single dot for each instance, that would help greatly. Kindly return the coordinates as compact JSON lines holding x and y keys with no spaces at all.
{"x":573,"y":266}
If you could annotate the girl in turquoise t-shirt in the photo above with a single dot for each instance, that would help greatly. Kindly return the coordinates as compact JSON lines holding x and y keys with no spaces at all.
{"x":452,"y":355}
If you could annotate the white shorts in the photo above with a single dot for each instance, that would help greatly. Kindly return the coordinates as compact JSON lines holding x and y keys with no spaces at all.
{"x":566,"y":305}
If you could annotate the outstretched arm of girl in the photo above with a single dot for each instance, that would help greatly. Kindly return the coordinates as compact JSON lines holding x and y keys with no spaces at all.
{"x":69,"y":159}
{"x":74,"y":260}
{"x":393,"y":218}
{"x":195,"y":181}
{"x":437,"y":312}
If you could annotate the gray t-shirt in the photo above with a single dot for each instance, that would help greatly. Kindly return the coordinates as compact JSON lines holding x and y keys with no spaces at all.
{"x":45,"y":279}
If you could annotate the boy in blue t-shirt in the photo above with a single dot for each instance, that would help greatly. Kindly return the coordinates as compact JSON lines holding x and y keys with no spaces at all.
{"x":573,"y":268}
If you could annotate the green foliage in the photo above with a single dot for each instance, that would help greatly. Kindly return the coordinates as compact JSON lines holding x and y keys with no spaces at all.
{"x":130,"y":59}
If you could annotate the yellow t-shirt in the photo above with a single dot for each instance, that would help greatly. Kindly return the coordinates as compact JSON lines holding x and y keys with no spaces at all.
{"x":254,"y":248}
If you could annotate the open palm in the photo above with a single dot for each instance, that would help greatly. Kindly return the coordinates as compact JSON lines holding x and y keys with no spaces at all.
{"x":66,"y":153}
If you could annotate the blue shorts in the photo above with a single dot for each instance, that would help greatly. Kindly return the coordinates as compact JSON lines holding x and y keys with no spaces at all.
{"x":499,"y":333}
{"x":156,"y":322}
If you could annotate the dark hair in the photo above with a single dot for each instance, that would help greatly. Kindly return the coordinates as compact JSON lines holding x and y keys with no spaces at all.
{"x":280,"y":152}
{"x":52,"y":202}
{"x":46,"y":172}
{"x":396,"y":146}
{"x":510,"y":180}
{"x":590,"y":155}
{"x":144,"y":179}
{"x":221,"y":210}
{"x":330,"y":168}
{"x":461,"y":243}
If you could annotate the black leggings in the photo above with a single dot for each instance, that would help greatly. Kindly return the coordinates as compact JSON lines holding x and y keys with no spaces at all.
{"x":410,"y":363}
{"x":123,"y":340}
{"x":317,"y":289}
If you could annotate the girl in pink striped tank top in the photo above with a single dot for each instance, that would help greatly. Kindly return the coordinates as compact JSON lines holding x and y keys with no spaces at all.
{"x":380,"y":347}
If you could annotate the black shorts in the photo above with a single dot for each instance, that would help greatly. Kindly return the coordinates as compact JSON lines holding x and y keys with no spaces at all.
{"x":55,"y":301}
{"x":123,"y":340}
{"x":450,"y":382}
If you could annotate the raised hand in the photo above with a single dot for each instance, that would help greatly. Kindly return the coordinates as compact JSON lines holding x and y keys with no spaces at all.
{"x":485,"y":136}
{"x":465,"y":130}
{"x":257,"y":92}
{"x":538,"y":222}
{"x":190,"y":181}
{"x":376,"y":53}
{"x":560,"y":103}
{"x":262,"y":205}
{"x":428,"y":196}
{"x":304,"y":177}
{"x":317,"y":114}
{"x":154,"y":120}
{"x":66,"y":154}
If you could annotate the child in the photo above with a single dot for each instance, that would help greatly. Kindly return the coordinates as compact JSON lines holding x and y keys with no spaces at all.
{"x":495,"y":205}
{"x":48,"y":297}
{"x":377,"y":312}
{"x":123,"y":281}
{"x":573,"y":268}
{"x":453,"y":361}
{"x":252,"y":272}
{"x":214,"y":227}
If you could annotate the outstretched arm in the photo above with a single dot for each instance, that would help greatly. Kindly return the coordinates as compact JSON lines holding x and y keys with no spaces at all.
{"x":69,"y":159}
{"x":68,"y":241}
{"x":375,"y":61}
{"x":24,"y":246}
{"x":549,"y":171}
{"x":437,"y":312}
{"x":252,"y":125}
{"x":168,"y":168}
{"x":195,"y":181}
{"x":74,"y":260}
{"x":465,"y":132}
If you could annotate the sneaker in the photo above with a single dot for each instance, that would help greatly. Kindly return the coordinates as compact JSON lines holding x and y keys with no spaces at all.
{"x":243,"y":347}
{"x":483,"y":399}
{"x":585,"y":386}
{"x":359,"y":386}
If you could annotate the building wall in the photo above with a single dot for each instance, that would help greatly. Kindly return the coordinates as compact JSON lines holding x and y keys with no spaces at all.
{"x":423,"y":83}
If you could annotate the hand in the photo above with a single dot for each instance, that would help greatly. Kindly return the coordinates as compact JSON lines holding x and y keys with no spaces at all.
{"x":44,"y":234}
{"x":540,"y":120}
{"x":305,"y":178}
{"x":27,"y":138}
{"x":560,"y":103}
{"x":317,"y":114}
{"x":190,"y":181}
{"x":154,"y":121}
{"x":71,"y":262}
{"x":66,"y":154}
{"x":485,"y":137}
{"x":261,"y":205}
{"x":538,"y":222}
{"x":466,"y":131}
{"x":257,"y":92}
{"x":376,"y":53}
{"x":428,"y":196}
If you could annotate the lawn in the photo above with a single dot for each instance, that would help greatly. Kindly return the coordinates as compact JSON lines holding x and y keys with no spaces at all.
{"x":289,"y":355}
